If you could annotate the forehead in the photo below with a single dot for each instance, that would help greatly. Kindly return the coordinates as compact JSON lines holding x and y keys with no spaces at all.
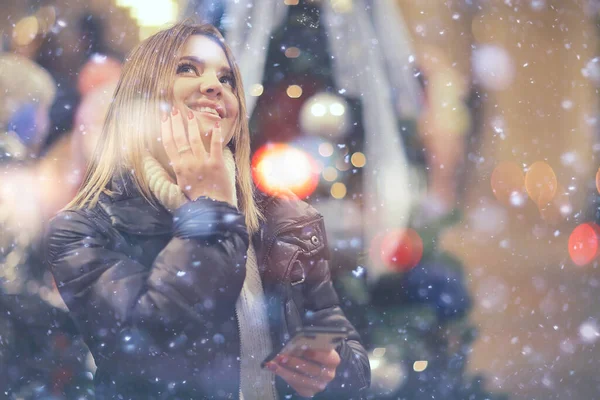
{"x":204,"y":48}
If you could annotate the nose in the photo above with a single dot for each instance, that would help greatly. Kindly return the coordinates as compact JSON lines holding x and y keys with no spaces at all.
{"x":210,"y":85}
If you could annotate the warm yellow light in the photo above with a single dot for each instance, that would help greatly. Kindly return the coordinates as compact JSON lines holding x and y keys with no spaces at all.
{"x":256,"y":90}
{"x":338,"y":190}
{"x":337,"y":109}
{"x":161,"y":12}
{"x":25,"y":31}
{"x":330,"y":174}
{"x":358,"y":159}
{"x":151,"y":19}
{"x":292,"y":52}
{"x":341,"y":6}
{"x":326,"y":149}
{"x":318,"y":110}
{"x":294,"y":91}
{"x":291,"y":2}
{"x":379,"y":352}
{"x":420,"y":366}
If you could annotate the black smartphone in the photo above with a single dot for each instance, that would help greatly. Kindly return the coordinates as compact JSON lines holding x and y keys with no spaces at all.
{"x":316,"y":338}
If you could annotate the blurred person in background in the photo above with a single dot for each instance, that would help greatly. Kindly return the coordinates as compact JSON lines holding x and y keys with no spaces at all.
{"x":41,"y":354}
{"x":174,"y":269}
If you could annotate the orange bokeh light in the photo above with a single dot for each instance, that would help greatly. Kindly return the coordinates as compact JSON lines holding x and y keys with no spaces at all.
{"x":598,"y":180}
{"x":399,"y":249}
{"x":508,"y":183}
{"x":279,"y":167}
{"x":541,"y":183}
{"x":583,"y":243}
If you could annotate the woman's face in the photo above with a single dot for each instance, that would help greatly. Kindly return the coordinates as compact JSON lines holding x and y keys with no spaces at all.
{"x":204,"y":84}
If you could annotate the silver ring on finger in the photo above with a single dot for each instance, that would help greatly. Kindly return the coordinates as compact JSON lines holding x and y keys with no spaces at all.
{"x":184,"y":149}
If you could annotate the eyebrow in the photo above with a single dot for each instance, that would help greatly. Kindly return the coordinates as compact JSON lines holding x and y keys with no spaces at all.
{"x":223,"y":69}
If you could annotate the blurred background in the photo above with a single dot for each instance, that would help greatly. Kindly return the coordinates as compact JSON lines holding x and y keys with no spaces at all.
{"x":450,"y":145}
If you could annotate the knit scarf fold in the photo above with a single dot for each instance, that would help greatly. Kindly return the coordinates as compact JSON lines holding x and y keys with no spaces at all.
{"x":255,"y":339}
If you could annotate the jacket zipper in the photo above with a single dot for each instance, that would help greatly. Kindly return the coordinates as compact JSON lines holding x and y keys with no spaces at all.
{"x":237,"y":316}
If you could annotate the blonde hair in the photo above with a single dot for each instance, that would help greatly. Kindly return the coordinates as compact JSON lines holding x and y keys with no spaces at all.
{"x":133,"y":119}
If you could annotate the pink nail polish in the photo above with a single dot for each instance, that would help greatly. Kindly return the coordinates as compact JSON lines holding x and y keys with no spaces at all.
{"x":190,"y":115}
{"x":271,"y":366}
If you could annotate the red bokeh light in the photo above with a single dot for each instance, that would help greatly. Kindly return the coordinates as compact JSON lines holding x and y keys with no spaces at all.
{"x":399,"y":249}
{"x":583,"y":243}
{"x":279,"y":166}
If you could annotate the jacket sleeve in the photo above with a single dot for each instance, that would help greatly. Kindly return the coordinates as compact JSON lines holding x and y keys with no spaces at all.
{"x":189,"y":290}
{"x":322,"y":304}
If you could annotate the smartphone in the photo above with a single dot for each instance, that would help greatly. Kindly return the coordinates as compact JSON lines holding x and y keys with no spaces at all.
{"x":315,"y":338}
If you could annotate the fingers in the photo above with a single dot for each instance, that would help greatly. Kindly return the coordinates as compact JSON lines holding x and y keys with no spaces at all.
{"x":167,"y":137}
{"x":178,"y":129}
{"x":304,"y":385}
{"x":195,"y":137}
{"x":328,"y":359}
{"x":216,"y":149}
{"x":301,"y":366}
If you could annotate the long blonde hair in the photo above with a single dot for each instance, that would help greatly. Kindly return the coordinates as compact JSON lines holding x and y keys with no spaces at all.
{"x":133,"y":119}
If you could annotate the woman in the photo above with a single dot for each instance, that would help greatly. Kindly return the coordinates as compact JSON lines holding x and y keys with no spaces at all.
{"x":181,"y":279}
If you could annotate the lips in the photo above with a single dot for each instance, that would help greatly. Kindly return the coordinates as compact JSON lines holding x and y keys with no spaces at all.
{"x":208,"y":107}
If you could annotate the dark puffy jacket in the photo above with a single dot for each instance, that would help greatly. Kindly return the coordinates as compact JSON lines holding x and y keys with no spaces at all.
{"x":154,"y":294}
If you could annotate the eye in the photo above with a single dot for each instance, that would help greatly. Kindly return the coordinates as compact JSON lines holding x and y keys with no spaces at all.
{"x":227,"y":80}
{"x":187,"y":68}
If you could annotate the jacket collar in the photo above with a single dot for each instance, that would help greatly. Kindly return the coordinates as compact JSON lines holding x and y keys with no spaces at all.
{"x":130,"y":212}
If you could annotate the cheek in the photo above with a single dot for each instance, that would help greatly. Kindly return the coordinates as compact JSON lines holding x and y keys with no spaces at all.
{"x":180,"y":92}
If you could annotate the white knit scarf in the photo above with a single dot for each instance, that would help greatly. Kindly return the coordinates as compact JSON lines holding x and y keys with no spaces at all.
{"x":255,"y":342}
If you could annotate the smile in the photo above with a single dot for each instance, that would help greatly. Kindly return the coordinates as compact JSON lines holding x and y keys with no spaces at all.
{"x":207,"y":110}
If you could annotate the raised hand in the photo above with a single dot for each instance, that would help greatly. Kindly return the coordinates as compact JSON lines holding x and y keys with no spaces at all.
{"x":199,"y":172}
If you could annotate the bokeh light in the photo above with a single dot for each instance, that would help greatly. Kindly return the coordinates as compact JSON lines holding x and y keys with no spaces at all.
{"x":541,"y":183}
{"x":324,"y":114}
{"x":330,"y":174}
{"x":294,"y":91}
{"x":493,"y":67}
{"x":98,"y":71}
{"x":338,"y":190}
{"x":508,"y":184}
{"x":358,"y":159}
{"x":277,"y":166}
{"x":420,"y":366}
{"x":25,"y":31}
{"x":583,"y":243}
{"x":398,"y":249}
{"x":292,"y":52}
{"x":256,"y":90}
{"x":326,"y":149}
{"x":598,"y":180}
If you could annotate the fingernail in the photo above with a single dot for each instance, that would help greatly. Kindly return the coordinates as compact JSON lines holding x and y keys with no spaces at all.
{"x":218,"y":124}
{"x":175,"y":111}
{"x":164,"y":117}
{"x":272,"y":366}
{"x":284,"y":360}
{"x":190,"y":114}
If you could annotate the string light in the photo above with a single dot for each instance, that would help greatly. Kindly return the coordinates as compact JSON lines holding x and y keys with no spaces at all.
{"x":294,"y":91}
{"x":256,"y":90}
